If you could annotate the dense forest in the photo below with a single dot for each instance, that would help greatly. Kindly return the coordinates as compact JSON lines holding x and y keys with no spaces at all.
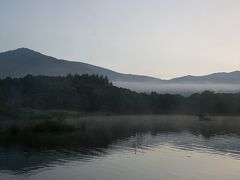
{"x":93,"y":93}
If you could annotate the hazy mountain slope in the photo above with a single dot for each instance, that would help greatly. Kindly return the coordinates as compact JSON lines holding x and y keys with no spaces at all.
{"x":218,"y":82}
{"x":24,"y":61}
{"x":223,"y":78}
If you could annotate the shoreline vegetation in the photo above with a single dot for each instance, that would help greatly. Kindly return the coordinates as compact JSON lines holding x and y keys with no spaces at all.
{"x":93,"y":94}
{"x":88,"y":111}
{"x":100,"y":131}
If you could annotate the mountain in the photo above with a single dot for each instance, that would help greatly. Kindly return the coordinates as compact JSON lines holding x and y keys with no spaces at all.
{"x":220,"y":78}
{"x":23,"y":61}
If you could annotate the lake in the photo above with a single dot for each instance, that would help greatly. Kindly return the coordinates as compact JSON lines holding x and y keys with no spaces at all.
{"x":171,"y":148}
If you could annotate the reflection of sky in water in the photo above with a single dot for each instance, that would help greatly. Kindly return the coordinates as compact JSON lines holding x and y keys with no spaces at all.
{"x":166,"y":156}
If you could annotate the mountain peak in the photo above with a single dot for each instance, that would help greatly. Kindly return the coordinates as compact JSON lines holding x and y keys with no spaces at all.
{"x":23,"y":61}
{"x":22,"y":53}
{"x":24,"y":50}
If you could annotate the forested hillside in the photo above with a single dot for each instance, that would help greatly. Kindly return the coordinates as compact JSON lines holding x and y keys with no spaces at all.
{"x":93,"y":93}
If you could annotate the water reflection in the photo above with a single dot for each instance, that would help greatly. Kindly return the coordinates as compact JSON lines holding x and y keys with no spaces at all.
{"x":20,"y":161}
{"x":24,"y":162}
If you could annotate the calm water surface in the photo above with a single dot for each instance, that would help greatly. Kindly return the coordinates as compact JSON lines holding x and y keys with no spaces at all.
{"x":153,"y":156}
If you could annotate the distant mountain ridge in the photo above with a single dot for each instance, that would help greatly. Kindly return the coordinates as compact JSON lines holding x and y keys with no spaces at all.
{"x":222,"y":77}
{"x":23,"y":61}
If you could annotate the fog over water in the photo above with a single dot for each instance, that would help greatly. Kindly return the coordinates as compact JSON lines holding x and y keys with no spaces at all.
{"x":161,"y":147}
{"x":177,"y":88}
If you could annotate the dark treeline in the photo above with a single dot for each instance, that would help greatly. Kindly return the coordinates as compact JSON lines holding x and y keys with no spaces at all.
{"x":92,"y":93}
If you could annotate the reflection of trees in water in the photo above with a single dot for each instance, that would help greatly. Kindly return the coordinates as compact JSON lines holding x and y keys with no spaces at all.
{"x":100,"y":133}
{"x":98,"y":136}
{"x":138,"y":143}
{"x":21,"y":161}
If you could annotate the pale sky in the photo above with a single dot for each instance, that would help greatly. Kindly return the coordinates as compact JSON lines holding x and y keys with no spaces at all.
{"x":161,"y":38}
